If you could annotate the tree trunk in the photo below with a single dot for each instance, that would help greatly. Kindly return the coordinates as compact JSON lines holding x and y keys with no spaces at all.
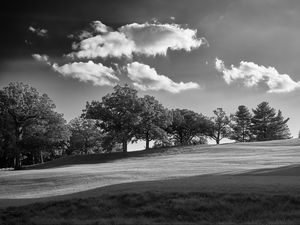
{"x":147,"y":141}
{"x":181,"y":138}
{"x":125,"y":146}
{"x":19,"y":135}
{"x":218,"y":138}
{"x":41,"y":156}
{"x":17,"y":161}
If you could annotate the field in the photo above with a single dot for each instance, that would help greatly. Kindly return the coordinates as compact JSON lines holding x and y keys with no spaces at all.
{"x":248,"y":183}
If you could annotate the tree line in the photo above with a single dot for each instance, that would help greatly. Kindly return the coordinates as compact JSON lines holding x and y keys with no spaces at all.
{"x":31,"y":131}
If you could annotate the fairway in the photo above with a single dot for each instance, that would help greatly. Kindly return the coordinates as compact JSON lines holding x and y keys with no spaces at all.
{"x":65,"y":177}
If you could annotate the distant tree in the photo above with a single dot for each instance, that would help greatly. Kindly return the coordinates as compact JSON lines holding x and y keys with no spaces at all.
{"x":154,"y":119}
{"x":86,"y":135}
{"x":267,"y":125}
{"x":279,"y":128}
{"x":118,"y":114}
{"x":241,"y":124}
{"x":188,"y":125}
{"x":262,"y":119}
{"x":22,"y":106}
{"x":219,"y":125}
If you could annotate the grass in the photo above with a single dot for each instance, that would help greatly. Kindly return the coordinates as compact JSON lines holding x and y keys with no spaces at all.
{"x":161,"y":208}
{"x":246,"y":183}
{"x":81,"y":173}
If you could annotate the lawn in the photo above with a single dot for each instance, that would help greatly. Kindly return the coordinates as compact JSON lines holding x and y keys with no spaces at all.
{"x":161,"y":208}
{"x":252,"y":183}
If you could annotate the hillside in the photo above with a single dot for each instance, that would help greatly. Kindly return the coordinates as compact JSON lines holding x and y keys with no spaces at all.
{"x":81,"y":173}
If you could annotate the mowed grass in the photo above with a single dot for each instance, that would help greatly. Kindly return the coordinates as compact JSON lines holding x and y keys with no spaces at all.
{"x":247,"y":183}
{"x":161,"y":208}
{"x":80,"y":173}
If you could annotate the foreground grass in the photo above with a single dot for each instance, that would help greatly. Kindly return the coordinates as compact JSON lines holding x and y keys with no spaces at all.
{"x":161,"y":208}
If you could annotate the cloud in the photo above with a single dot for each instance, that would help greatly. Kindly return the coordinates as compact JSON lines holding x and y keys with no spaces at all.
{"x":146,"y":78}
{"x":149,"y":39}
{"x":38,"y":31}
{"x":252,"y":74}
{"x":41,"y":58}
{"x":96,"y":73}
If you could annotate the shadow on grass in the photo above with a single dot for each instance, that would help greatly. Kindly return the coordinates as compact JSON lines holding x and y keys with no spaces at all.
{"x":110,"y":157}
{"x":161,"y":208}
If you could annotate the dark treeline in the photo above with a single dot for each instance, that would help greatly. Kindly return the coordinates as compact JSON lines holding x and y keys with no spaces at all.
{"x":31,"y":131}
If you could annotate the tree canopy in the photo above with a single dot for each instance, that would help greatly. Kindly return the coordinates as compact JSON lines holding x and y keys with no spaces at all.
{"x":241,"y":125}
{"x":219,"y":127}
{"x":26,"y":113}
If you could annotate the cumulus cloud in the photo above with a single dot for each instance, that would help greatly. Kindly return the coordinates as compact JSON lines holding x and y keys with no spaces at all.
{"x":41,"y":58}
{"x":96,"y":73}
{"x":146,"y":78}
{"x":38,"y":31}
{"x":149,"y":39}
{"x":251,"y":74}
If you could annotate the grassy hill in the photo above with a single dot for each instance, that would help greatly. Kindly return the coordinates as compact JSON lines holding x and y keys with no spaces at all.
{"x":79,"y":173}
{"x":243,"y":183}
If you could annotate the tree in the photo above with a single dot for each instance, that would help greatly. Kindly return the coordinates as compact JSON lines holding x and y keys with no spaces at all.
{"x":154,"y":119}
{"x":267,"y":125}
{"x":118,"y":114}
{"x":188,"y":125}
{"x":241,"y":126}
{"x":279,"y":128}
{"x":219,"y":125}
{"x":262,"y":119}
{"x":23,"y":106}
{"x":86,"y":135}
{"x":46,"y":138}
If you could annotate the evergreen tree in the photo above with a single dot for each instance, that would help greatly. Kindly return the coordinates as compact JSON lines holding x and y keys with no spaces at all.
{"x":279,"y":127}
{"x":267,"y":125}
{"x":241,"y":126}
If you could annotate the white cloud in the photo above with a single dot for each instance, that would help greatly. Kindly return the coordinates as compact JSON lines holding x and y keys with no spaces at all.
{"x":38,"y":31}
{"x":41,"y":58}
{"x":150,"y":39}
{"x":113,"y":44}
{"x":146,"y":78}
{"x":96,"y":73}
{"x":252,"y":74}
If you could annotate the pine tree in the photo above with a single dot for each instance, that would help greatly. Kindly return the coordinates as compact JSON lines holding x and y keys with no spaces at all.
{"x":241,"y":126}
{"x":280,"y":128}
{"x":267,"y":125}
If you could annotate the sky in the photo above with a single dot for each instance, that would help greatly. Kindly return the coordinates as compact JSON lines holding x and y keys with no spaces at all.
{"x":194,"y":54}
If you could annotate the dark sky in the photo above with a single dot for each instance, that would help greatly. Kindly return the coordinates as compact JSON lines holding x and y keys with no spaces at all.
{"x":262,"y":33}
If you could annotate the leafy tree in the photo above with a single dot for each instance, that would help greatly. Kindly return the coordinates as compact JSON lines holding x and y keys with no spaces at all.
{"x":154,"y":119}
{"x":188,"y":125}
{"x":23,"y":106}
{"x":267,"y":125}
{"x":46,"y":138}
{"x":241,"y":126}
{"x":219,"y":125}
{"x":86,"y":135}
{"x":118,"y":114}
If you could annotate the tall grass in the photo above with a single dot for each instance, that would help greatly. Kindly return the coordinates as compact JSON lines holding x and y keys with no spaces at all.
{"x":161,"y":208}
